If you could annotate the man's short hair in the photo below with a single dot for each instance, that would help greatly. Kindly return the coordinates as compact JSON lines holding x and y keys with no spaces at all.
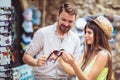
{"x":69,"y":7}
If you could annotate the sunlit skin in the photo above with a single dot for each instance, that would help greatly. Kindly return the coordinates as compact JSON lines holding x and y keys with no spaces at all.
{"x":89,"y":36}
{"x":65,"y":22}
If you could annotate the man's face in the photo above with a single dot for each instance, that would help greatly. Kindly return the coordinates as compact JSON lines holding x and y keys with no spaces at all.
{"x":65,"y":21}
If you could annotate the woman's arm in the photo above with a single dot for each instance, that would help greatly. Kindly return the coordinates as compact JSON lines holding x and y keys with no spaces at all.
{"x":78,"y":71}
{"x":100,"y":63}
{"x":71,"y":60}
{"x":66,"y":67}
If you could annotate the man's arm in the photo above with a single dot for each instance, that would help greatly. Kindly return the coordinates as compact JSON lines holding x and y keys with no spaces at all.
{"x":28,"y":59}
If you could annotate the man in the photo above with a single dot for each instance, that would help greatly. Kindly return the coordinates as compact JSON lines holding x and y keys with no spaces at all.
{"x":54,"y":37}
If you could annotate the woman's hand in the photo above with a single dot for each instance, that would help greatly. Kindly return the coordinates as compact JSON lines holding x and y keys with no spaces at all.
{"x":65,"y":63}
{"x":68,"y":58}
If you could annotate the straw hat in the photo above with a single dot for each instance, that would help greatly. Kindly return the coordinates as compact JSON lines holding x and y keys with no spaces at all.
{"x":105,"y":25}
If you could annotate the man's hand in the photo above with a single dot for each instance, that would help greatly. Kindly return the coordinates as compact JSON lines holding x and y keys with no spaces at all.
{"x":41,"y":61}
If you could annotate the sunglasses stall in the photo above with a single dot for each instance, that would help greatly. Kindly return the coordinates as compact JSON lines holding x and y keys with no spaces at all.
{"x":6,"y":42}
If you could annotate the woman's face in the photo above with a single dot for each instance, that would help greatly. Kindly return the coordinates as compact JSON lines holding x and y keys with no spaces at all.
{"x":89,"y":36}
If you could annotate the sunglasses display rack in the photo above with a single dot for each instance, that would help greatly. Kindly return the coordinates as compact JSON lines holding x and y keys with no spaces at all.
{"x":6,"y":42}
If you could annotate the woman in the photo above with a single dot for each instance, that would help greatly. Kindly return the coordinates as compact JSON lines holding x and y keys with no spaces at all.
{"x":96,"y":63}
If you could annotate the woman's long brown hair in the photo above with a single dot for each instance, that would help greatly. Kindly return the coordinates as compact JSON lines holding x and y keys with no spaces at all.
{"x":100,"y":42}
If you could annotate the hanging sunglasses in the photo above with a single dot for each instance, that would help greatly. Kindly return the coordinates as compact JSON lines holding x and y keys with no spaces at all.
{"x":5,"y":42}
{"x":4,"y":58}
{"x":8,"y":47}
{"x":5,"y":34}
{"x":2,"y":46}
{"x":2,"y":49}
{"x":7,"y":28}
{"x":54,"y":55}
{"x":7,"y":8}
{"x":8,"y":15}
{"x":4,"y":23}
{"x":5,"y":73}
{"x":5,"y":67}
{"x":7,"y":21}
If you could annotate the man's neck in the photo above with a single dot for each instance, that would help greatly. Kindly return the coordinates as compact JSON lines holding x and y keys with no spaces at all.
{"x":60,"y":35}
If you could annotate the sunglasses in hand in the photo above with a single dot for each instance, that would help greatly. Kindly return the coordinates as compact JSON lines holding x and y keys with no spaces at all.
{"x":54,"y":55}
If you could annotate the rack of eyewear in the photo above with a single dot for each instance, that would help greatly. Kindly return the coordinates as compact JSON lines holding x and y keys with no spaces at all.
{"x":6,"y":42}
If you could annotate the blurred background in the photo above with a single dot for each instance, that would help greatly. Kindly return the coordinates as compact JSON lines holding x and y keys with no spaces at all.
{"x":19,"y":20}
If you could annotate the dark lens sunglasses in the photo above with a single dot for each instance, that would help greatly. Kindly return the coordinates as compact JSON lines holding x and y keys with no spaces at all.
{"x":5,"y":34}
{"x":57,"y":53}
{"x":8,"y":28}
{"x":8,"y":15}
{"x":6,"y":8}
